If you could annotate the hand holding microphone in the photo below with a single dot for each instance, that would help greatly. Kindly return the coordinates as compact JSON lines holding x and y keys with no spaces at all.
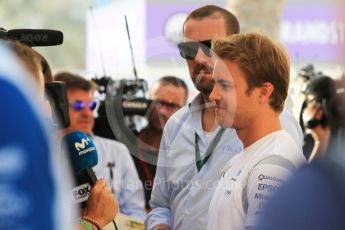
{"x":101,"y":205}
{"x":83,"y":156}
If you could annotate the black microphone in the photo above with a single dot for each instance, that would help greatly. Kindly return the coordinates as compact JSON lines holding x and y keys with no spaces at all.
{"x":83,"y":156}
{"x":36,"y":37}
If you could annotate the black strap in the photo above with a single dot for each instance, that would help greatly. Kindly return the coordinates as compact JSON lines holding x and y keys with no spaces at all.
{"x":201,"y":162}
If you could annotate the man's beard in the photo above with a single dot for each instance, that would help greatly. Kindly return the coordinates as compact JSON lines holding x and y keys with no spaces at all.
{"x":202,"y":84}
{"x":205,"y":88}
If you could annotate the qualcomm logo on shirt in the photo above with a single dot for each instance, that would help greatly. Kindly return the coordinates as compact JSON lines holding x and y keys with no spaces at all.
{"x":271,"y":178}
{"x":82,"y":145}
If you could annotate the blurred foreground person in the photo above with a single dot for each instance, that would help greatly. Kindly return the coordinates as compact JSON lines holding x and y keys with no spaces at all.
{"x":35,"y":182}
{"x":32,"y":192}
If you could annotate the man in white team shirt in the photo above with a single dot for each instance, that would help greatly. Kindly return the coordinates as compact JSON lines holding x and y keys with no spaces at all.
{"x":251,"y":82}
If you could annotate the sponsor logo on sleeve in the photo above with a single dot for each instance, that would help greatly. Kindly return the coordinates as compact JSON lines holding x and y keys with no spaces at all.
{"x":260,"y":196}
{"x":267,"y":187}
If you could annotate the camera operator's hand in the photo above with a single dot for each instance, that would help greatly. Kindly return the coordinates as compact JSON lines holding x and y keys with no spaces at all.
{"x":102,"y":206}
{"x":313,"y":111}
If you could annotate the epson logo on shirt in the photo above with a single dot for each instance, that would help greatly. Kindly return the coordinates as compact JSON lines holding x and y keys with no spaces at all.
{"x":81,"y":193}
{"x":267,"y":187}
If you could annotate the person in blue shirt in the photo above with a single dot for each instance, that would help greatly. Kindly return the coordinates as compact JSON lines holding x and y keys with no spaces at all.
{"x":33,"y":173}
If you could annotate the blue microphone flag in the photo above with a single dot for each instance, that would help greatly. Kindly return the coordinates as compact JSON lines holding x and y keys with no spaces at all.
{"x":82,"y":151}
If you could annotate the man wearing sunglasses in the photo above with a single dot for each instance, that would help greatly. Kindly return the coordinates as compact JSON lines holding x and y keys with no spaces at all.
{"x":194,"y":149}
{"x":114,"y":160}
{"x":168,"y":94}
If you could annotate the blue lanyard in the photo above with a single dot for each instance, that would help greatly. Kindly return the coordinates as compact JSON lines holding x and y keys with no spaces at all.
{"x":201,"y":162}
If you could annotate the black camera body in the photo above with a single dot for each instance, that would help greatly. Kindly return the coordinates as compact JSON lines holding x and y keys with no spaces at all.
{"x":56,"y":93}
{"x":122,"y":111}
{"x":126,"y":99}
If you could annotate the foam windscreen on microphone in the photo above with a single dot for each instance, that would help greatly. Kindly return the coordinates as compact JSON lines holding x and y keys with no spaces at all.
{"x":37,"y":37}
{"x":82,"y":151}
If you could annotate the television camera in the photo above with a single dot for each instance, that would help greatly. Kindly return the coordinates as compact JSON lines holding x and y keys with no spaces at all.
{"x":121,"y":111}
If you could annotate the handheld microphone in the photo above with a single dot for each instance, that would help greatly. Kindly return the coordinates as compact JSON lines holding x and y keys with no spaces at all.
{"x":83,"y":156}
{"x":36,"y":37}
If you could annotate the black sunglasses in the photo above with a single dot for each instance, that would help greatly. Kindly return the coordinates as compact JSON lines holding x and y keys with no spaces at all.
{"x":188,"y":50}
{"x":80,"y":105}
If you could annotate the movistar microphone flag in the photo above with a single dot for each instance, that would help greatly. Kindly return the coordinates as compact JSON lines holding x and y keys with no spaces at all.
{"x":82,"y":151}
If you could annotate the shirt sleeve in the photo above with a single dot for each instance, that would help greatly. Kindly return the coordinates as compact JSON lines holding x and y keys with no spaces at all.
{"x":161,"y":193}
{"x":132,"y":195}
{"x":262,"y":182}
